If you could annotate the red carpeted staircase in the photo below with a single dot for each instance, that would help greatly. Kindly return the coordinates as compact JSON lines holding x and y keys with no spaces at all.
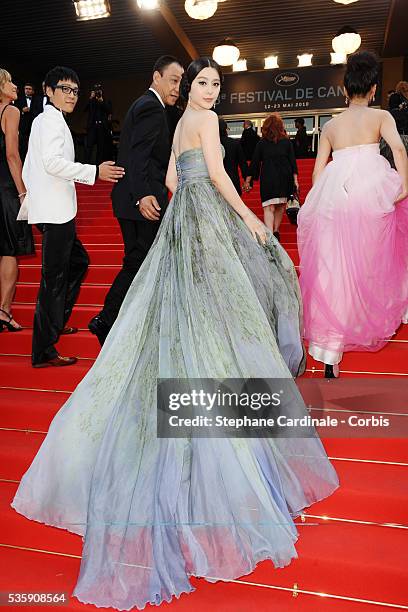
{"x":352,"y":547}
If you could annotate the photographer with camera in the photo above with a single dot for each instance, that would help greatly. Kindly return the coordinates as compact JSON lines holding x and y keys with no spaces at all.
{"x":98,"y":126}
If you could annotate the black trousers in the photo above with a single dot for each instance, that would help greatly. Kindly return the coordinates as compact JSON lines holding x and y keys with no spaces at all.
{"x":138,"y":237}
{"x":64,"y":264}
{"x":100,"y":136}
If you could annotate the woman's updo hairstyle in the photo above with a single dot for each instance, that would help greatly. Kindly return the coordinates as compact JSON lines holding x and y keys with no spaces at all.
{"x":194,"y":69}
{"x":362,"y":72}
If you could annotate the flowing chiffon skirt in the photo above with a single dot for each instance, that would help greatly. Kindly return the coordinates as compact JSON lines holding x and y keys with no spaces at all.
{"x":208,"y":301}
{"x":353,"y":245}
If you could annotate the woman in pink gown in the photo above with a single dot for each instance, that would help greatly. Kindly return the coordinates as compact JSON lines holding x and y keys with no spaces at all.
{"x":353,"y":228}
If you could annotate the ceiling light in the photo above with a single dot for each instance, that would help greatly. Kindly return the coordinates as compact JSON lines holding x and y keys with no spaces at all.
{"x":305,"y":60}
{"x":91,"y":9}
{"x":338,"y":58}
{"x":346,"y":40}
{"x":345,"y":1}
{"x":271,"y":62}
{"x":240,"y":65}
{"x":226,"y":52}
{"x":200,"y":9}
{"x":148,"y":5}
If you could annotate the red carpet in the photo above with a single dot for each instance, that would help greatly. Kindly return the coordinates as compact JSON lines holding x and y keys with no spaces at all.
{"x":352,"y":547}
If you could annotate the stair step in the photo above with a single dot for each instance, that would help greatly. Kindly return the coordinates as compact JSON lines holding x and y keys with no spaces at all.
{"x":393,"y":358}
{"x":82,"y":344}
{"x":96,"y":273}
{"x":17,"y":372}
{"x":361,"y":561}
{"x":102,"y":239}
{"x":88,"y":294}
{"x":20,"y":409}
{"x":80,"y":317}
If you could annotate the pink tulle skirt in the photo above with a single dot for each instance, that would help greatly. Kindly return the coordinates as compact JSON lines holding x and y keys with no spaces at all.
{"x":353,"y":245}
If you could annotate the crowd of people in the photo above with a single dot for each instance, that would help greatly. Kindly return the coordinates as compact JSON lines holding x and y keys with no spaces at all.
{"x":271,"y":159}
{"x":42,"y":193}
{"x":98,"y":142}
{"x":138,"y":201}
{"x":205,"y":291}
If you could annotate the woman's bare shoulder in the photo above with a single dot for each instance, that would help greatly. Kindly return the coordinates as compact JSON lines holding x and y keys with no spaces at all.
{"x":379,"y":112}
{"x":334,"y":122}
{"x":208,"y":116}
{"x":10,"y":111}
{"x":330,"y":125}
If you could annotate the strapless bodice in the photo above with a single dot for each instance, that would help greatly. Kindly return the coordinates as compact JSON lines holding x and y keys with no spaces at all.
{"x":191,"y":166}
{"x":372,"y":148}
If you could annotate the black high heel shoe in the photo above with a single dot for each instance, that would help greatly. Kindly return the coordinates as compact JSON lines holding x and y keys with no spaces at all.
{"x":331,"y":371}
{"x":99,"y":328}
{"x":8,"y":324}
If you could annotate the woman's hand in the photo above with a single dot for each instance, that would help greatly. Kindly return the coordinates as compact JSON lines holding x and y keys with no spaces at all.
{"x":256,"y":227}
{"x":403,"y":194}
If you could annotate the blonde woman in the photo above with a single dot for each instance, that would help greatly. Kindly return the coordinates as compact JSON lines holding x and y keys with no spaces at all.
{"x":15,"y":236}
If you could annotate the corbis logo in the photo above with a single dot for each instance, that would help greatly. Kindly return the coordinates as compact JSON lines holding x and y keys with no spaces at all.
{"x":286,"y":79}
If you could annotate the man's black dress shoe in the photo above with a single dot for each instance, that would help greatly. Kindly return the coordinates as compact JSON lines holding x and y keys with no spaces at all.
{"x":331,"y":371}
{"x":56,"y":362}
{"x":99,"y":328}
{"x":67,"y":331}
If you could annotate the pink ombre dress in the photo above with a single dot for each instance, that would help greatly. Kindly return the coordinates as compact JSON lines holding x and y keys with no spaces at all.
{"x":353,"y":245}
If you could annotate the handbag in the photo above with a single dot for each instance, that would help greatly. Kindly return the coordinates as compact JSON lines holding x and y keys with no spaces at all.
{"x":292,"y":209}
{"x":23,"y":212}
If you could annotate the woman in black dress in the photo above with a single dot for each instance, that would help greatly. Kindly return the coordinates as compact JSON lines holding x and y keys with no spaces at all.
{"x":234,"y":157}
{"x":274,"y":160}
{"x":15,"y":236}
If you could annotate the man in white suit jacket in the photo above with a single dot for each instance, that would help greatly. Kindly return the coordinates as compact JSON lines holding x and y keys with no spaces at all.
{"x":49,"y":175}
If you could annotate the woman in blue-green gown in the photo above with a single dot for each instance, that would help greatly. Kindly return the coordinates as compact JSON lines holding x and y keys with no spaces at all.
{"x":216,"y":297}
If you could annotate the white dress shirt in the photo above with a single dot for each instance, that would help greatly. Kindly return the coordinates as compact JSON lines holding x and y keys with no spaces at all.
{"x":50,"y":172}
{"x":158,"y":96}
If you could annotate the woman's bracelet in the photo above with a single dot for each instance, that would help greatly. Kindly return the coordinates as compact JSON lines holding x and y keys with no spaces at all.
{"x":20,"y":195}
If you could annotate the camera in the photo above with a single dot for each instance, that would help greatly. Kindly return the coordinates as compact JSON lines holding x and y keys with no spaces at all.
{"x":98,"y":90}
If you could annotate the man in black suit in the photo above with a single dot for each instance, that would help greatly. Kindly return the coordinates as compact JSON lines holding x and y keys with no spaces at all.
{"x":39,"y":102}
{"x":249,"y":139}
{"x":140,"y":198}
{"x":301,"y":142}
{"x":98,"y":126}
{"x":24,"y":103}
